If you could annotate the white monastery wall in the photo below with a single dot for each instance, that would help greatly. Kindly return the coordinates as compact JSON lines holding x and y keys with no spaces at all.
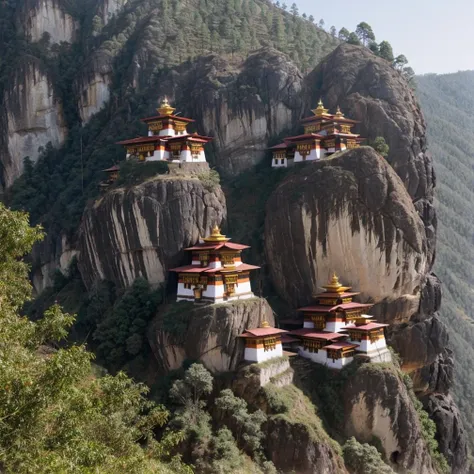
{"x":260,"y":355}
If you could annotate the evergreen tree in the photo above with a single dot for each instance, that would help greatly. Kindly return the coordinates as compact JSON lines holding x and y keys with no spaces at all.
{"x":321,"y":24}
{"x":294,"y":9}
{"x":343,"y":34}
{"x":333,"y":31}
{"x":386,"y":51}
{"x":353,"y":39}
{"x":400,"y":62}
{"x":365,"y":33}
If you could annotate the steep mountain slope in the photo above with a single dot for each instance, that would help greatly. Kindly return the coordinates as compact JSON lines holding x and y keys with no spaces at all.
{"x":448,"y":105}
{"x":223,"y":63}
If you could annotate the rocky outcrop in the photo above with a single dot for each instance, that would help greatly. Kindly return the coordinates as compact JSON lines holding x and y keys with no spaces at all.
{"x":108,"y":8}
{"x":451,"y":436}
{"x":292,"y":449}
{"x":242,"y":106}
{"x":208,"y":334}
{"x":351,"y":215}
{"x":48,"y":16}
{"x":378,"y":406}
{"x":93,"y":84}
{"x":33,"y":118}
{"x":370,"y":90}
{"x":142,"y":231}
{"x":48,"y":256}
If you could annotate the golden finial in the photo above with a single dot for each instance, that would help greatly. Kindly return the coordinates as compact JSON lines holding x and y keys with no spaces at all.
{"x":339,"y":112}
{"x":216,"y":235}
{"x":334,"y":286}
{"x":320,"y":110}
{"x":165,"y":108}
{"x":265,"y":324}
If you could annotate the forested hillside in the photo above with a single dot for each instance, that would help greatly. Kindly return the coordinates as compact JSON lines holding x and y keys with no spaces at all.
{"x":448,"y":105}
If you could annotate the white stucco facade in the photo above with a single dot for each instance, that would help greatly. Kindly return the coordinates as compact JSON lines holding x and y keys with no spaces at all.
{"x":314,"y":155}
{"x":216,"y":293}
{"x":321,"y":357}
{"x":279,"y":163}
{"x":261,"y":355}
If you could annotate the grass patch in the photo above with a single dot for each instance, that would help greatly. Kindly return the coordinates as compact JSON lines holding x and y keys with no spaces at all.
{"x":210,"y":180}
{"x":134,"y":172}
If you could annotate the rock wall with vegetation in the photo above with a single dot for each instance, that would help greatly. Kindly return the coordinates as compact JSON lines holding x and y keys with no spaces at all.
{"x":141,"y":231}
{"x":209,"y":334}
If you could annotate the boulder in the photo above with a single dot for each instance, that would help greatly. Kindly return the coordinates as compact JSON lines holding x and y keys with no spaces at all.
{"x":142,"y":231}
{"x":350,"y":215}
{"x":208,"y":334}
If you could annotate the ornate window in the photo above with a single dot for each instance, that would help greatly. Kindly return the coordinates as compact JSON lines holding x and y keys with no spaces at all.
{"x":312,"y":345}
{"x":269,"y":344}
{"x":319,"y":321}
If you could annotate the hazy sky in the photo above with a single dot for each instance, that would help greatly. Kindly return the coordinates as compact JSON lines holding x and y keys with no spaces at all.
{"x":435,"y":36}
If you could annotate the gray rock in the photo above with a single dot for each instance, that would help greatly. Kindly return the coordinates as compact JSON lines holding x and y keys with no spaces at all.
{"x":451,"y":435}
{"x":142,"y":231}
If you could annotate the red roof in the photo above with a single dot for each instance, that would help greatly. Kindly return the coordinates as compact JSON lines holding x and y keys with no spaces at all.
{"x":285,"y":339}
{"x":154,"y":138}
{"x":218,"y":245}
{"x":261,"y":332}
{"x":197,"y":269}
{"x":312,"y":334}
{"x":305,"y":136}
{"x":281,"y":146}
{"x":341,"y":345}
{"x":336,"y":295}
{"x":368,"y":327}
{"x":329,"y":309}
{"x":191,"y":137}
{"x":328,"y":118}
{"x":112,"y":169}
{"x":174,"y":117}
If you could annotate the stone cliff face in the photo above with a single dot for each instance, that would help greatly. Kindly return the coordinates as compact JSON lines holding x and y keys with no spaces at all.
{"x":369,"y":90}
{"x":108,"y":8}
{"x":33,"y":117}
{"x":48,"y":16}
{"x":377,"y":404}
{"x":207,"y":333}
{"x":240,"y":105}
{"x":142,"y":231}
{"x":350,"y":215}
{"x":93,"y":85}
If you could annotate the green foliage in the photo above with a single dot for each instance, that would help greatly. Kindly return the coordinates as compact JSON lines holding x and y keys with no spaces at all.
{"x":277,"y":400}
{"x":176,"y":318}
{"x":246,"y":426}
{"x":121,"y":334}
{"x":364,"y":458}
{"x":448,"y":104}
{"x":353,"y":39}
{"x":380,"y":146}
{"x":365,"y":33}
{"x":210,"y":180}
{"x":428,"y":428}
{"x":135,"y":172}
{"x":386,"y":51}
{"x":55,"y":416}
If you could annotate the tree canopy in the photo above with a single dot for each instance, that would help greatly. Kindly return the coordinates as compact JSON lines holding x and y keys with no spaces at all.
{"x":55,"y":415}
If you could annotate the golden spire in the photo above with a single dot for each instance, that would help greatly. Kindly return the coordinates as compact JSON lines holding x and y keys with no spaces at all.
{"x":216,"y":235}
{"x":334,"y":286}
{"x":339,"y":113}
{"x":320,"y":110}
{"x":165,"y":108}
{"x":265,"y":324}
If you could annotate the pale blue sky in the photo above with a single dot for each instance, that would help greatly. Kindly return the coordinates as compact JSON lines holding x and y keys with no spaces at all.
{"x":435,"y":36}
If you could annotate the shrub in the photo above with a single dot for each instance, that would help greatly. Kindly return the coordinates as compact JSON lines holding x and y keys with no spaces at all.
{"x":364,"y":459}
{"x":210,"y":180}
{"x":380,"y":146}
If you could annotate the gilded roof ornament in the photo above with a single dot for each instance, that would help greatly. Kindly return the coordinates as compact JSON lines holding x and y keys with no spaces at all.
{"x":339,"y":112}
{"x":334,"y":286}
{"x":165,"y":108}
{"x":265,"y":324}
{"x":216,"y":235}
{"x":320,"y":110}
